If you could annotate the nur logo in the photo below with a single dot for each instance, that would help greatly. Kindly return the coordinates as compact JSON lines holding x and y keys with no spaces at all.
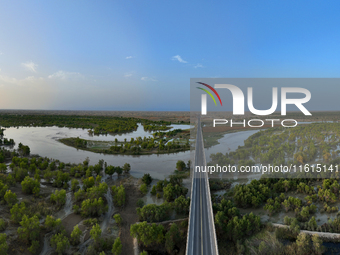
{"x":238,"y":99}
{"x":204,"y":97}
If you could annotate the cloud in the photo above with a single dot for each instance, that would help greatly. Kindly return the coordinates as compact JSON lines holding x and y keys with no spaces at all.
{"x":128,"y":74}
{"x":7,"y":79}
{"x":1,"y":53}
{"x":179,"y":58}
{"x":10,"y":80}
{"x":30,"y":66}
{"x":129,"y":57}
{"x":147,"y":79}
{"x":63,"y":75}
{"x":198,"y":66}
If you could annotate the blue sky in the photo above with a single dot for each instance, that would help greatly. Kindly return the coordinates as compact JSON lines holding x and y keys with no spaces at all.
{"x":140,"y":55}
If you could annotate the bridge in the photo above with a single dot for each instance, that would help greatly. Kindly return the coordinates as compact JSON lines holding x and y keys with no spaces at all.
{"x":201,"y":239}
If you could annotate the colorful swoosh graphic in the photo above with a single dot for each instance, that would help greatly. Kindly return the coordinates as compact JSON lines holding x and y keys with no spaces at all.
{"x":209,"y":94}
{"x":213,"y":90}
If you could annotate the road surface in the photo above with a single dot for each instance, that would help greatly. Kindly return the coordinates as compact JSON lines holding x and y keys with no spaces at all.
{"x":201,"y":233}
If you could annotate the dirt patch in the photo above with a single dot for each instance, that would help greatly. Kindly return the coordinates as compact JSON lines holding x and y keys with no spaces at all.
{"x":70,"y":221}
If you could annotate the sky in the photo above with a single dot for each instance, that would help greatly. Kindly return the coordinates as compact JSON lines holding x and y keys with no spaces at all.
{"x":140,"y":55}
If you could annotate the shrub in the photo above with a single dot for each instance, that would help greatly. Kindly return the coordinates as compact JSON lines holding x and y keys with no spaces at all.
{"x":30,"y":186}
{"x":147,"y":234}
{"x":117,"y":247}
{"x":60,"y":243}
{"x":74,"y":185}
{"x":17,"y":212}
{"x":143,"y":189}
{"x":93,"y":207}
{"x":3,"y":225}
{"x":10,"y":198}
{"x":52,"y":224}
{"x":61,"y":179}
{"x":147,"y":179}
{"x":140,"y":203}
{"x":172,"y":192}
{"x":75,"y":235}
{"x":59,"y":197}
{"x":180,"y":165}
{"x":3,"y":244}
{"x":126,"y":168}
{"x":96,"y":233}
{"x":118,"y":218}
{"x":154,"y":213}
{"x":172,"y":237}
{"x":30,"y":229}
{"x":118,"y":195}
{"x":153,"y":190}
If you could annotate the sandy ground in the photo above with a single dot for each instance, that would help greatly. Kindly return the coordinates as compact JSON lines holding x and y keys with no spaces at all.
{"x":70,"y":221}
{"x":129,"y":214}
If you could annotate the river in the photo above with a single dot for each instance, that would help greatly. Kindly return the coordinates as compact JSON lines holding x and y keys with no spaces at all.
{"x":44,"y":142}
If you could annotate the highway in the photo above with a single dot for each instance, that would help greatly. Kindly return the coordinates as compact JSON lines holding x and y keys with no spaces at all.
{"x":201,"y":238}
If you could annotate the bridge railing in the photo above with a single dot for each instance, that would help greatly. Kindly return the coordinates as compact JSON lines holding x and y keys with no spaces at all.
{"x":192,"y":189}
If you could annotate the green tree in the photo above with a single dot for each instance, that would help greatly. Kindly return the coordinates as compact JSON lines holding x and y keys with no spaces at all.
{"x":60,"y":243}
{"x":119,"y":195}
{"x":182,"y":204}
{"x":154,"y":213}
{"x":180,"y":165}
{"x":143,"y":189}
{"x":144,"y":253}
{"x":3,"y":225}
{"x":117,"y":247}
{"x":3,"y":244}
{"x":171,"y":192}
{"x":17,"y":212}
{"x":147,"y":179}
{"x":59,"y":197}
{"x":140,"y":203}
{"x":97,"y":191}
{"x":119,"y":170}
{"x":61,"y":179}
{"x":88,"y":182}
{"x":34,"y":247}
{"x":75,"y":235}
{"x":30,"y":229}
{"x":153,"y":190}
{"x":110,"y":170}
{"x":126,"y":168}
{"x":93,"y":207}
{"x":118,"y":218}
{"x":172,"y":238}
{"x":30,"y":186}
{"x":10,"y":198}
{"x":317,"y":244}
{"x":49,"y":222}
{"x":3,"y":167}
{"x":147,"y":234}
{"x":96,"y":233}
{"x":303,"y":243}
{"x":74,"y":185}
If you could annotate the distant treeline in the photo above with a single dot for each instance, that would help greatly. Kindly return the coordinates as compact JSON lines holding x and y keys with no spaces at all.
{"x":99,"y":124}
